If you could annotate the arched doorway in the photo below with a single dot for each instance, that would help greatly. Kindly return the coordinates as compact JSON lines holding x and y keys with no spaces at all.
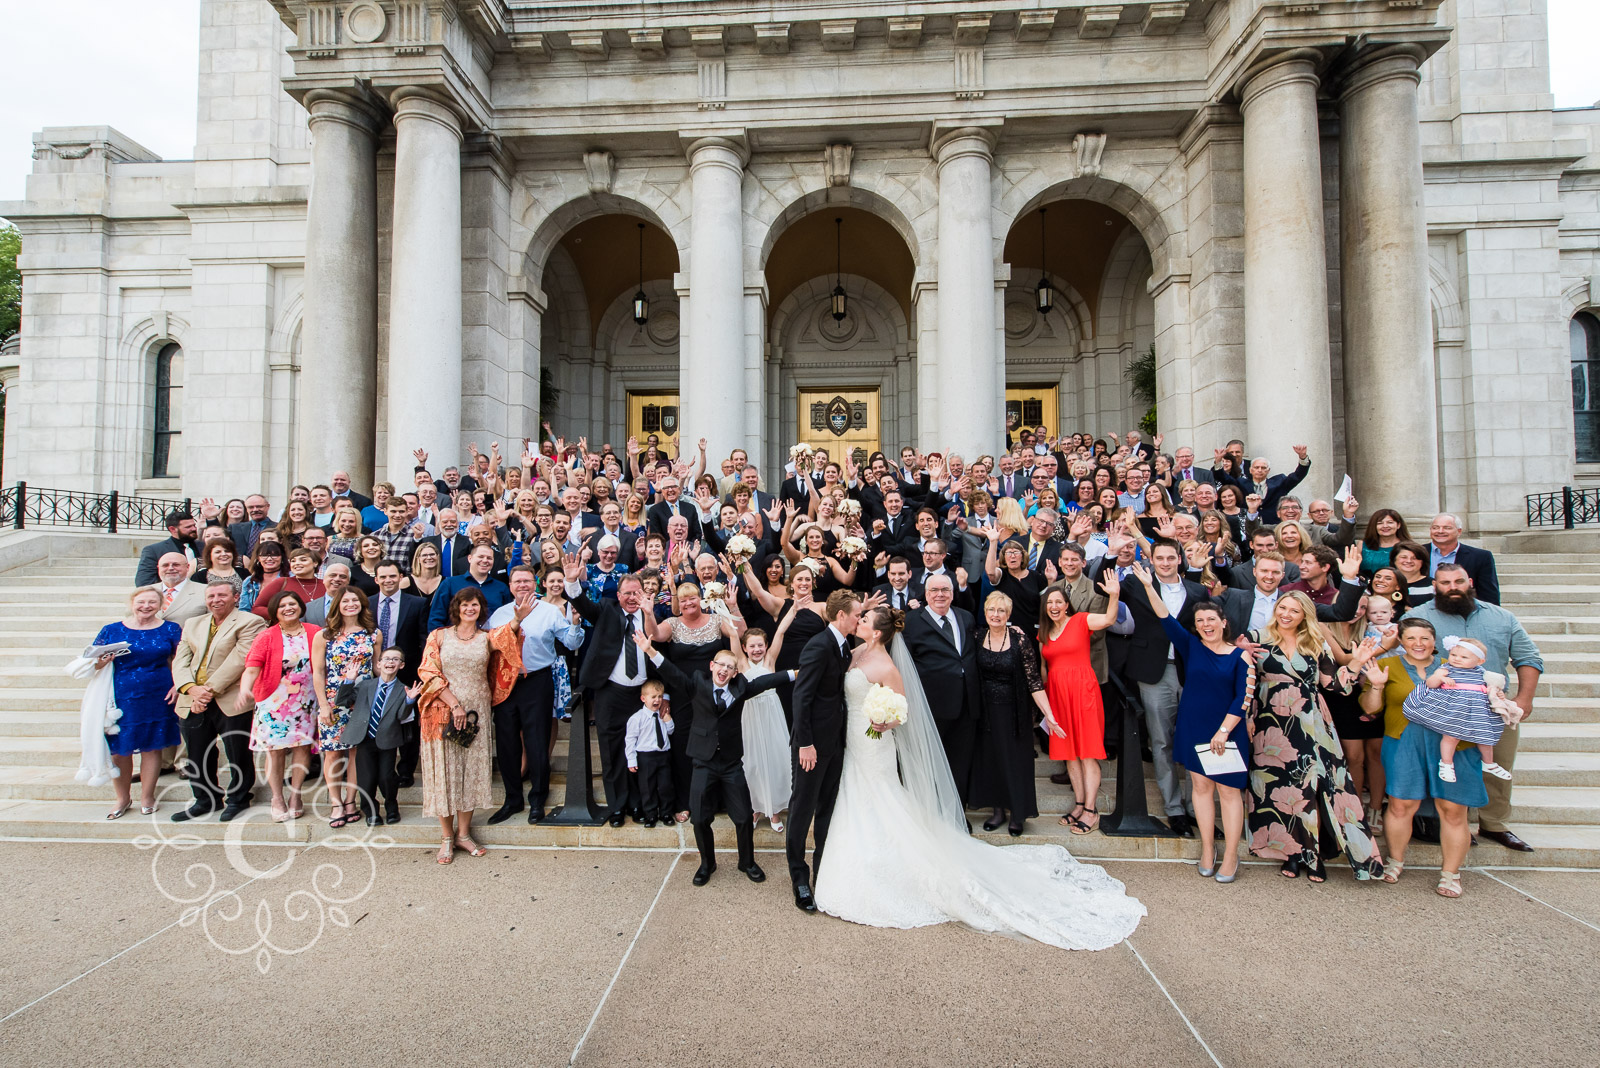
{"x":611,"y":375}
{"x":841,"y":382}
{"x":1067,"y":365}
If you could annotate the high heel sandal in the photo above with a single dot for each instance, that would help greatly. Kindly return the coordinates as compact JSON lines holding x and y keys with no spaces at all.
{"x":473,"y":850}
{"x":1083,"y":826}
{"x":1290,"y":869}
{"x":1071,"y":818}
{"x":1318,"y":874}
{"x":447,"y":851}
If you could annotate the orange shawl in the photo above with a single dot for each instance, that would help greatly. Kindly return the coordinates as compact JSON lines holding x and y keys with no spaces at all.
{"x":505,"y":666}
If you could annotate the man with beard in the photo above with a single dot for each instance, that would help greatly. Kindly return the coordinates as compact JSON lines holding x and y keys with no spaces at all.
{"x":182,"y":537}
{"x":1456,"y":611}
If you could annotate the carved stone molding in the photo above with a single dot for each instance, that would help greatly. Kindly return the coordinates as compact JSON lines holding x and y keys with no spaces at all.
{"x":648,"y":44}
{"x":905,"y":31}
{"x":590,"y":44}
{"x":1100,"y":21}
{"x":1089,"y":147}
{"x":772,"y":39}
{"x":972,"y":29}
{"x":836,"y":160}
{"x":708,"y":42}
{"x":1164,"y":18}
{"x":600,"y":167}
{"x":713,"y":84}
{"x":364,"y":22}
{"x":969,"y":73}
{"x":839,"y":35}
{"x":1035,"y":25}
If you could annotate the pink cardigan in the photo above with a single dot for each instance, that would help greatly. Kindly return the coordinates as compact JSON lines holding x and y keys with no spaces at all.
{"x":266,"y":653}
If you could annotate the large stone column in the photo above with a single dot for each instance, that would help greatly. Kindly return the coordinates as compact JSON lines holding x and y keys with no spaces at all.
{"x":337,"y":417}
{"x":711,"y":362}
{"x":970,"y":391}
{"x":1391,"y":421}
{"x":425,"y":286}
{"x":1288,"y":384}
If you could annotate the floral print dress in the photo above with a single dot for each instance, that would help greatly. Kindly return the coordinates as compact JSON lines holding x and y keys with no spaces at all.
{"x":349,"y":658}
{"x":1306,"y":807}
{"x":288,"y":716}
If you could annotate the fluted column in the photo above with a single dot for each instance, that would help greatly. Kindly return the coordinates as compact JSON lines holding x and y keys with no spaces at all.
{"x":970,"y":371}
{"x":337,"y":417}
{"x":711,"y":365}
{"x":425,"y":286}
{"x":1288,"y":384}
{"x":1391,"y":421}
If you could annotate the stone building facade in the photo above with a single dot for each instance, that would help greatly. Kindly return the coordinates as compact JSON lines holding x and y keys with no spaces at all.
{"x":1357,"y":225}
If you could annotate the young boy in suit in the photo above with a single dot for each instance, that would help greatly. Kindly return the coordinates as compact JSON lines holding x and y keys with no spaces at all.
{"x":383,"y":705}
{"x":650,"y":754}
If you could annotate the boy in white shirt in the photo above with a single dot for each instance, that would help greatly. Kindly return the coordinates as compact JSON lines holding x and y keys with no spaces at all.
{"x":650,"y":754}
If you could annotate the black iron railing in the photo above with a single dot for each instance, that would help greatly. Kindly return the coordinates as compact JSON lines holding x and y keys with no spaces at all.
{"x":1566,"y":507}
{"x":23,"y":506}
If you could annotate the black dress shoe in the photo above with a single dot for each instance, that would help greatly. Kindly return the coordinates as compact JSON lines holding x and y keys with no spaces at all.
{"x":1507,"y":839}
{"x":1061,"y":778}
{"x":1016,"y":830}
{"x":393,"y":816}
{"x":505,"y":812}
{"x":617,"y":818}
{"x":803,"y":899}
{"x":994,"y":821}
{"x":703,"y":876}
{"x":647,"y":822}
{"x":193,"y":812}
{"x":374,"y":820}
{"x":406,"y":782}
{"x":754,"y":872}
{"x":536,"y":814}
{"x":637,"y":815}
{"x":1182,"y":826}
{"x":230,"y":813}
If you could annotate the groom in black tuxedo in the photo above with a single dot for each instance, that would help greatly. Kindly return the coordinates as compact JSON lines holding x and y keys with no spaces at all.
{"x":939,"y":638}
{"x":817,"y":738}
{"x":716,"y":745}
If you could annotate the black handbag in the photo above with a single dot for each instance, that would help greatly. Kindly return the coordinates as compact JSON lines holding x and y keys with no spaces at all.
{"x":464,"y":735}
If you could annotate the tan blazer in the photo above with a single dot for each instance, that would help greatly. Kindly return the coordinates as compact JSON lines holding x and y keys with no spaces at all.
{"x":224,"y":661}
{"x":190,"y":602}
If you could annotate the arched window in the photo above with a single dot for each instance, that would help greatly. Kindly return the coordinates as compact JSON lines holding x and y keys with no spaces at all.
{"x":166,"y":457}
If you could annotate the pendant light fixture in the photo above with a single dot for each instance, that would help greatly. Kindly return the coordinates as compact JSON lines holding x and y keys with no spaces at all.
{"x":641,"y":303}
{"x":1044,"y":294}
{"x":840,"y":308}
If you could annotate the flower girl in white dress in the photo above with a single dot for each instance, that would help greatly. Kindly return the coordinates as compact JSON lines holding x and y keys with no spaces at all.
{"x":767,"y":764}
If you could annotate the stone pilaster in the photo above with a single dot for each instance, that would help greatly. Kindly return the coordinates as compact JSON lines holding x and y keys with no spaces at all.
{"x":425,"y":286}
{"x":1288,"y":392}
{"x":338,"y":377}
{"x":969,"y":393}
{"x":712,"y":357}
{"x":1391,"y":422}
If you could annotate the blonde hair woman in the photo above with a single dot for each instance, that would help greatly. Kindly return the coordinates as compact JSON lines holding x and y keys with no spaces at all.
{"x":1305,"y":806}
{"x":1009,"y":515}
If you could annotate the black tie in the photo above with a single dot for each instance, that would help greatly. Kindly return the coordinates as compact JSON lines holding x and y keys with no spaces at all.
{"x":661,"y":738}
{"x":944,"y":626}
{"x":630,"y":651}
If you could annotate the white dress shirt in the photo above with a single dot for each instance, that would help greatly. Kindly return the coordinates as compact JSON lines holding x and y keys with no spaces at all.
{"x":1261,"y":611}
{"x":950,"y":627}
{"x":1173,"y":596}
{"x":641,"y":736}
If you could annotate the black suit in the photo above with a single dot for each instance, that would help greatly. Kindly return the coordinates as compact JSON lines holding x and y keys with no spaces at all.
{"x":1479,"y":564}
{"x":376,"y":772}
{"x":950,"y":681}
{"x":907,"y":596}
{"x":661,"y":511}
{"x":797,"y":490}
{"x":716,"y":745}
{"x":245,"y":535}
{"x":1238,"y":604}
{"x":150,"y":556}
{"x":627,"y":555}
{"x":360,"y":500}
{"x":898,"y":538}
{"x":460,"y":546}
{"x":1196,"y":475}
{"x":819,"y":721}
{"x":1150,"y":663}
{"x":614,"y":702}
{"x":1014,"y":485}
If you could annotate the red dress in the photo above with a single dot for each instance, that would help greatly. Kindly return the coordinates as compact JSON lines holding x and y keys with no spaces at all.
{"x":1074,"y":693}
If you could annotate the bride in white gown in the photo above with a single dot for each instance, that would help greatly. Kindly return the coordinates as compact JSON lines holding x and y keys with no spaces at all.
{"x":899,"y":853}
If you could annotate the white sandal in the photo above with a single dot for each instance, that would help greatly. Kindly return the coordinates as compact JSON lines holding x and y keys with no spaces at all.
{"x":1449,"y":884}
{"x":1392,"y":870}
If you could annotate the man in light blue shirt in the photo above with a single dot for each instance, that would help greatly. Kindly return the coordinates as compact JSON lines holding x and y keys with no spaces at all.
{"x":1456,"y":611}
{"x":522,"y":723}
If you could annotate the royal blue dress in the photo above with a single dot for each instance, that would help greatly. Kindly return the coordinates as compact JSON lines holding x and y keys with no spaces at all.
{"x":140,"y":679}
{"x":1213,"y":687}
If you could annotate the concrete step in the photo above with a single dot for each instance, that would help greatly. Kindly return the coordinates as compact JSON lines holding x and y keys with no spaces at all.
{"x":105,"y":582}
{"x":1548,"y":596}
{"x":43,"y":696}
{"x":36,"y":751}
{"x":36,"y":677}
{"x":1586,"y":685}
{"x":56,"y":657}
{"x":1544,"y":736}
{"x":39,"y":724}
{"x":68,"y":595}
{"x":55,"y":613}
{"x":1559,"y":643}
{"x":1537,"y":624}
{"x":1556,"y":769}
{"x":69,"y":642}
{"x":1558,"y":804}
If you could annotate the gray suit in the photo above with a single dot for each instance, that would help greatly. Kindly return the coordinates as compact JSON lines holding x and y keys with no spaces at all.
{"x":377,"y":773}
{"x":396,"y":711}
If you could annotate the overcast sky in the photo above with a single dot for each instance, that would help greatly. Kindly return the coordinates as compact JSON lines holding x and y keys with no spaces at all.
{"x":131,"y":64}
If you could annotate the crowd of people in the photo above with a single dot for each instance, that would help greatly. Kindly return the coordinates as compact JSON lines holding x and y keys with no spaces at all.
{"x":1284,"y":660}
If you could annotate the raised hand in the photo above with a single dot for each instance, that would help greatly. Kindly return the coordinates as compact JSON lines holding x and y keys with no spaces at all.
{"x":472,"y":450}
{"x":642,"y":640}
{"x":1050,"y":572}
{"x":1216,"y":455}
{"x":1350,"y":566}
{"x":1081,"y":527}
{"x":1165,"y":528}
{"x":1351,"y":506}
{"x":572,"y":567}
{"x":1252,"y":504}
{"x":702,"y":444}
{"x":421,"y":456}
{"x":1157,"y":440}
{"x":961,"y":579}
{"x":1109,"y":585}
{"x":1300,"y":451}
{"x":1140,"y":572}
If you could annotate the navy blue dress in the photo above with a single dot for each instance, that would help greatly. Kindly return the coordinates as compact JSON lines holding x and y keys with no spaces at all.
{"x":140,"y":679}
{"x":1213,"y":687}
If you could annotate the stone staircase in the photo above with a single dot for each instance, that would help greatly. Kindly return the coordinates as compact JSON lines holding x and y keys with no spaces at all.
{"x":52,"y":605}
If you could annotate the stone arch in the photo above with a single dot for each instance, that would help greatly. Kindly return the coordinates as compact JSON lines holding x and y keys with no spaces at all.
{"x":1132,"y":192}
{"x":1119,"y":282}
{"x":660,"y":335}
{"x":1445,"y":300}
{"x":1071,"y":317}
{"x":1577,"y":297}
{"x":546,"y":225}
{"x":856,"y":288}
{"x":771,"y":219}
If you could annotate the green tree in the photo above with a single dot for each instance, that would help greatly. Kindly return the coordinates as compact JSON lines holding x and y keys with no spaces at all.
{"x":10,"y":281}
{"x":1142,"y":383}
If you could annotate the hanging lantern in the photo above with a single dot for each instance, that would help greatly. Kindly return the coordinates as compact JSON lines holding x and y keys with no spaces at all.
{"x":1044,"y":294}
{"x":839,"y":305}
{"x":641,"y":303}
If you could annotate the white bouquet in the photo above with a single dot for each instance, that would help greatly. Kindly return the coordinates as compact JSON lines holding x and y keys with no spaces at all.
{"x":810,"y":564}
{"x":849,"y":509}
{"x":854,"y":547}
{"x":797,"y":451}
{"x":741,"y":549}
{"x":713,"y":591}
{"x":884,"y":706}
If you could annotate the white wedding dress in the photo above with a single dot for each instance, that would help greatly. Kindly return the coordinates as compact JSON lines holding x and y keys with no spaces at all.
{"x":891,"y":861}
